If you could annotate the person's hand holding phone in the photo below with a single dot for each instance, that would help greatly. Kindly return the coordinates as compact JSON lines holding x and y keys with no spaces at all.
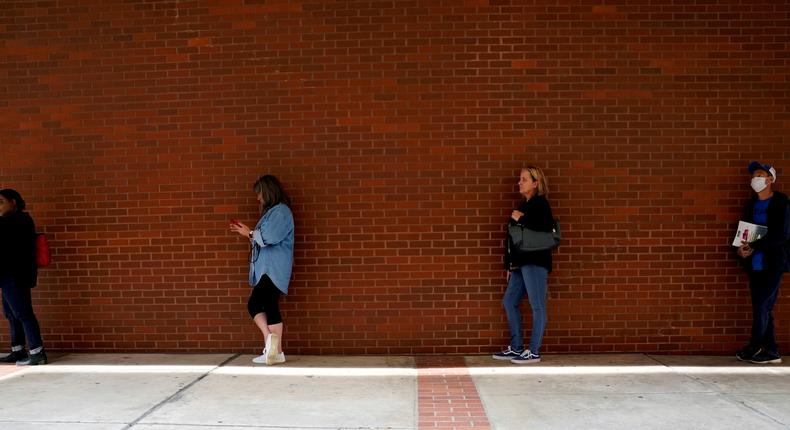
{"x":239,"y":227}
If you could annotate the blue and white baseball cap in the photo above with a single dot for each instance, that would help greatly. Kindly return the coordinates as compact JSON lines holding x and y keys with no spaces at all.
{"x":756,"y":165}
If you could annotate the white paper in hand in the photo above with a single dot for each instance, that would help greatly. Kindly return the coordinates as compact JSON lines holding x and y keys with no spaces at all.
{"x":748,"y":232}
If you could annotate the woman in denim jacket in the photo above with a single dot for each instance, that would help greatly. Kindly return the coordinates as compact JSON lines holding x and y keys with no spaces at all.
{"x":271,"y":261}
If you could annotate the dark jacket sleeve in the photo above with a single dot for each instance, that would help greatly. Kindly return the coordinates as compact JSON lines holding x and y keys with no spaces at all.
{"x":19,"y":249}
{"x":538,"y":217}
{"x":5,"y":248}
{"x":778,"y":226}
{"x":774,"y":245}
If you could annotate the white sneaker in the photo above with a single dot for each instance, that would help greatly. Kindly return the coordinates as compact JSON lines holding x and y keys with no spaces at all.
{"x":279,"y":358}
{"x":272,"y":346}
{"x":263,"y":359}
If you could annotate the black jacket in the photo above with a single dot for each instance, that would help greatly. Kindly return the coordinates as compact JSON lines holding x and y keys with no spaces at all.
{"x":776,"y":243}
{"x":18,"y":248}
{"x":537,"y":217}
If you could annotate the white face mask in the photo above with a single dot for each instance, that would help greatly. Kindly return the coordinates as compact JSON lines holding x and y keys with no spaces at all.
{"x":758,"y":184}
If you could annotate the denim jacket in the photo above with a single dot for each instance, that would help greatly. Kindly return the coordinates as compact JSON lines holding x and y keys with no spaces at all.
{"x":273,"y":247}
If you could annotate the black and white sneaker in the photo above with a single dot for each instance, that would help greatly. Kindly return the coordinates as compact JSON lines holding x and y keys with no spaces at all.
{"x":14,"y":356}
{"x":34,"y":359}
{"x":747,"y":353}
{"x":526,"y":357}
{"x":507,"y":354}
{"x":764,"y":357}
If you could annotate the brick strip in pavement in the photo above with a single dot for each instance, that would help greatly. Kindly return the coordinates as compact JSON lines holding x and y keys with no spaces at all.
{"x":447,"y":396}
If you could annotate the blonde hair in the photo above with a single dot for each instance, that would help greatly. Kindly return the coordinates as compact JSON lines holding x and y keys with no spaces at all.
{"x":538,"y":176}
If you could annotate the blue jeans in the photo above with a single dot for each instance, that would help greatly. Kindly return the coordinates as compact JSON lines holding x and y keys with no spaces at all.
{"x":764,"y":288}
{"x":18,"y":310}
{"x":529,"y":280}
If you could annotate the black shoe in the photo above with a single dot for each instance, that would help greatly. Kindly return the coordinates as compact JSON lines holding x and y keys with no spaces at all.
{"x":507,"y":354}
{"x":747,"y":353}
{"x":767,"y":358}
{"x":14,"y":356}
{"x":34,"y":359}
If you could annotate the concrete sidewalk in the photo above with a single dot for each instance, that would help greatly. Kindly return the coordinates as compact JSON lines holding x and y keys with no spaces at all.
{"x":201,"y":392}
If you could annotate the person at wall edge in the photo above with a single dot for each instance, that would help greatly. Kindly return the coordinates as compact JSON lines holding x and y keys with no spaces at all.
{"x":527,"y":271}
{"x":765,"y":260}
{"x":271,"y":262}
{"x":18,"y":273}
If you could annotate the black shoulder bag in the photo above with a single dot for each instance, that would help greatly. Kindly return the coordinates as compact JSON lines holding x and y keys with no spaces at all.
{"x":526,"y":240}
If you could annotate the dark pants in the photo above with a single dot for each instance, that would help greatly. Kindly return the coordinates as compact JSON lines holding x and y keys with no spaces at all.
{"x":18,"y":310}
{"x":265,"y":298}
{"x":764,"y":288}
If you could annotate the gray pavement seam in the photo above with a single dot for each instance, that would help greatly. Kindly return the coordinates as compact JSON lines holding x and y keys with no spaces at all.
{"x":267,"y":427}
{"x":51,"y":423}
{"x":715,"y":388}
{"x":178,"y":393}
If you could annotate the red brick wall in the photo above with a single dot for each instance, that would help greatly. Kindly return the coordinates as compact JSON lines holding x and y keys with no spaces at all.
{"x":135,"y":130}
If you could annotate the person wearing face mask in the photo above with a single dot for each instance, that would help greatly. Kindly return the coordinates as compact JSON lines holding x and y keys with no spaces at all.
{"x":17,"y":277}
{"x":765,"y":260}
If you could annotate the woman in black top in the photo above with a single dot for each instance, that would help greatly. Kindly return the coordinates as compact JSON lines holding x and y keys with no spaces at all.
{"x":527,"y":271}
{"x":17,"y":277}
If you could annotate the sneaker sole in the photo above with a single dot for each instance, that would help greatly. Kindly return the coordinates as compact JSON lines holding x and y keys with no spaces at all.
{"x":774,"y":361}
{"x":534,"y":360}
{"x":496,"y":357}
{"x":38,"y":363}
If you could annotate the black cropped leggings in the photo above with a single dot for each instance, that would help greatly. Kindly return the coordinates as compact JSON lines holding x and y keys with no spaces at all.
{"x":265,"y":297}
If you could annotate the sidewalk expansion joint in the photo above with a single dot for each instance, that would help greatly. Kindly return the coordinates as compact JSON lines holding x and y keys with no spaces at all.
{"x":175,"y":396}
{"x":719,"y":392}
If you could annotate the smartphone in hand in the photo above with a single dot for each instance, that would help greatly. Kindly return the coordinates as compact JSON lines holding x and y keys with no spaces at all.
{"x":234,"y":221}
